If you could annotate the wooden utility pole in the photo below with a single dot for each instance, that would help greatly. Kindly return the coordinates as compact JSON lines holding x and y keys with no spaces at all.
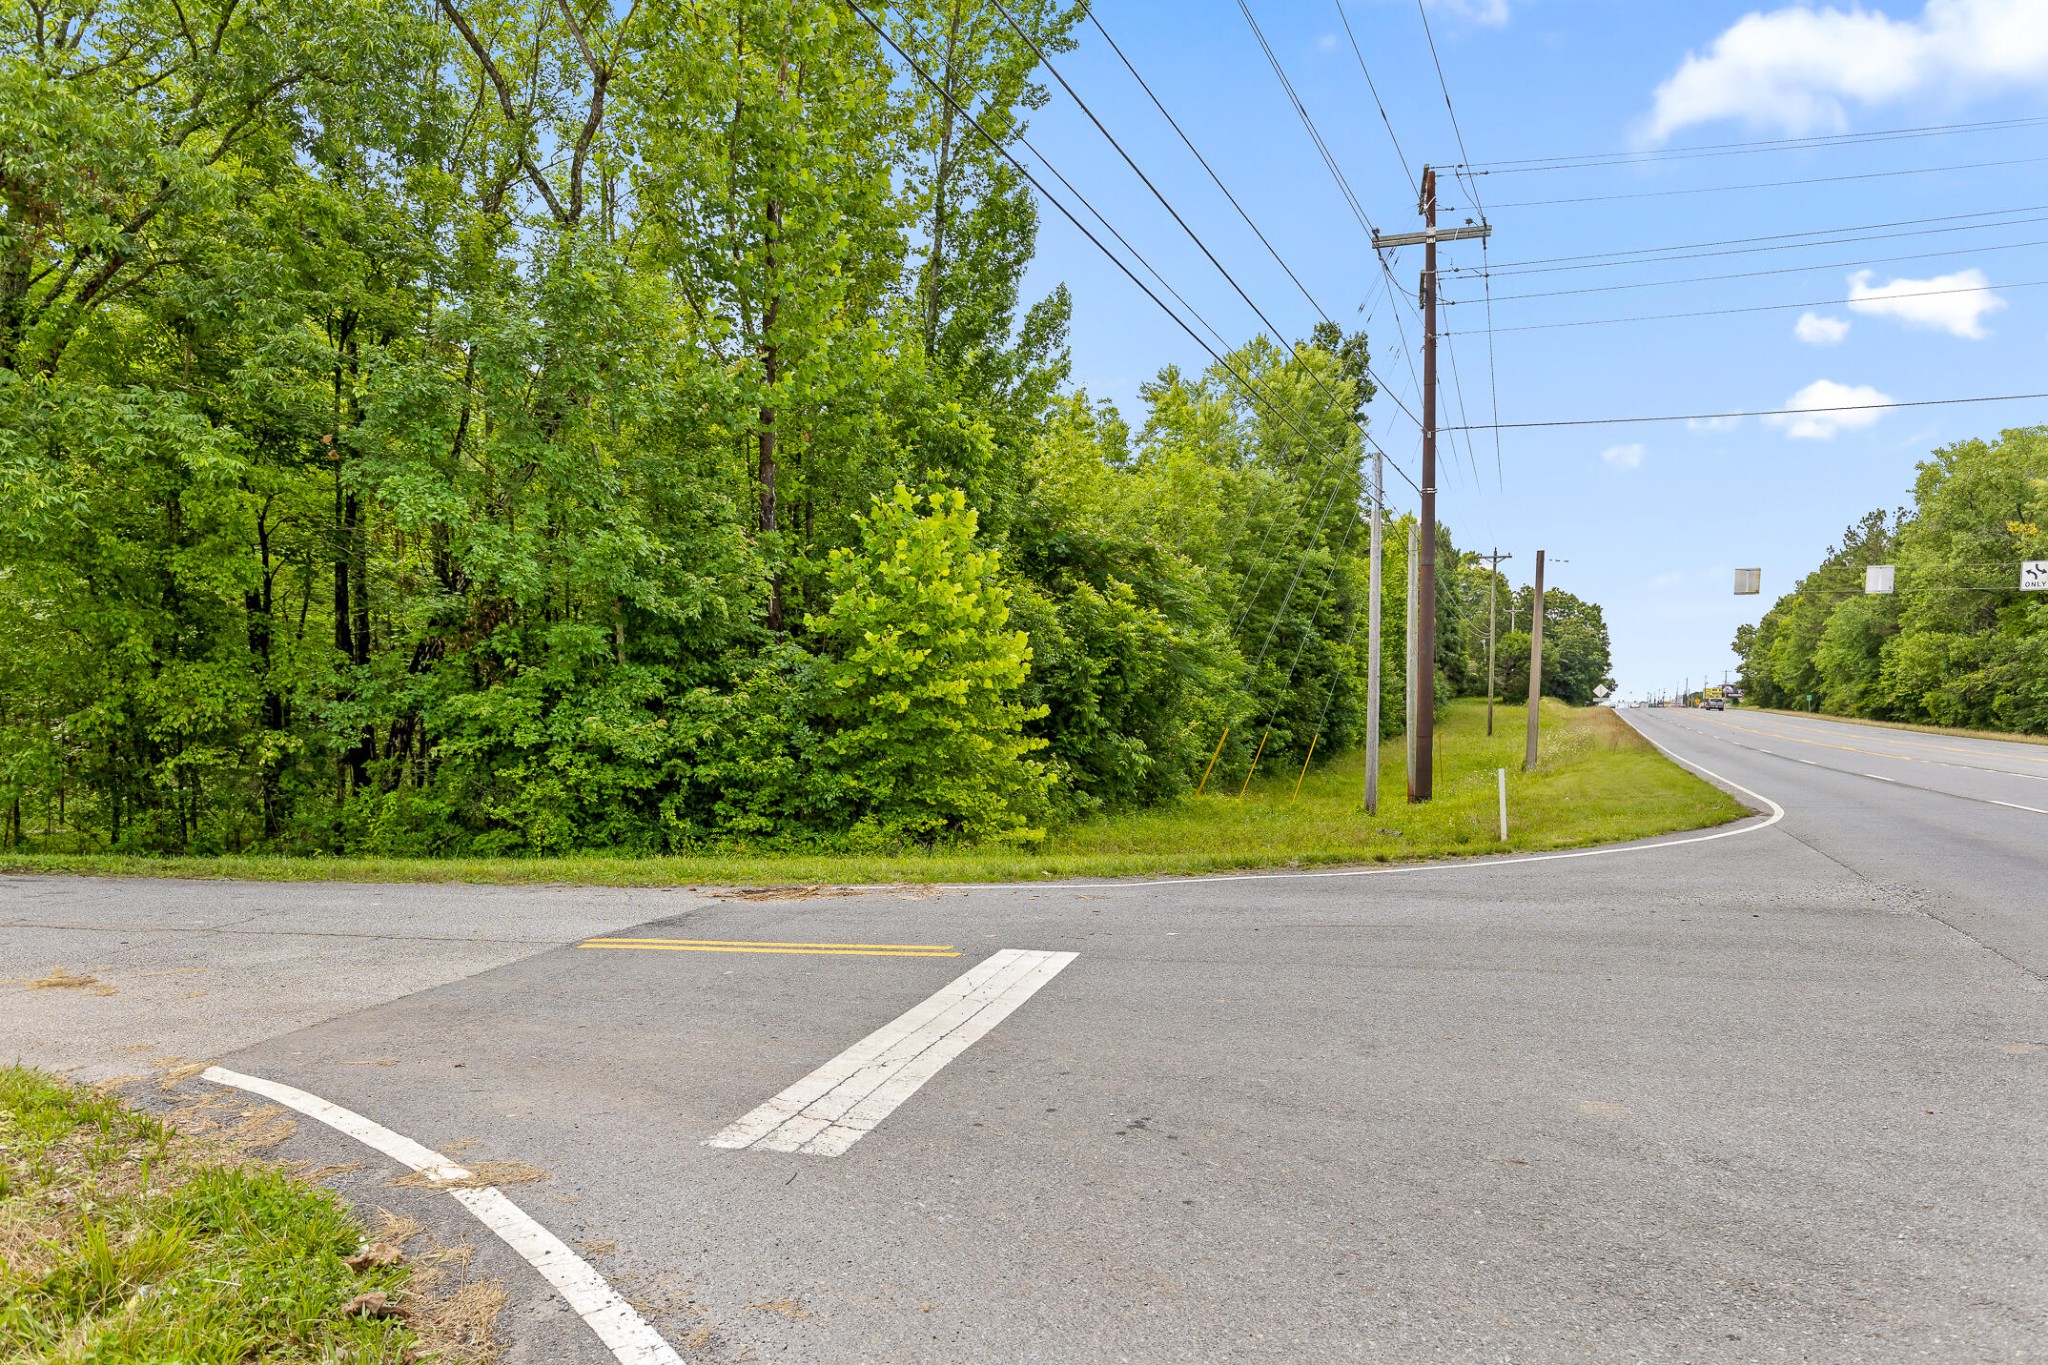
{"x":1423,"y":723}
{"x":1493,"y":562}
{"x":1535,"y":663}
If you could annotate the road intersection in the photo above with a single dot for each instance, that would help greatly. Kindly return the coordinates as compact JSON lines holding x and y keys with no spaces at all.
{"x":1770,"y":1096}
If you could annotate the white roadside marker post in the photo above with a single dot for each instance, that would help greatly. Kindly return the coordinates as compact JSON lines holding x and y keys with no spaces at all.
{"x":1502,"y":774}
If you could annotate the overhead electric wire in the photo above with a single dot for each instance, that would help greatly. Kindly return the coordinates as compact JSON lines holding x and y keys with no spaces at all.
{"x":1801,"y":182}
{"x":1886,"y":406}
{"x":1594,"y":160}
{"x":1046,"y":60}
{"x":1472,"y":184}
{"x":1775,"y":241}
{"x":1378,"y":104}
{"x":1301,"y":111}
{"x":1759,"y":274}
{"x":1246,"y":389}
{"x":1766,"y":307}
{"x":1187,"y":142}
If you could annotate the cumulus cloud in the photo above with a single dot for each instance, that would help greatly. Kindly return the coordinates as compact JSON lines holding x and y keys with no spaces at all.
{"x":1629,"y":456}
{"x":1492,"y":13}
{"x":1824,"y":408}
{"x":1955,"y":304}
{"x":1815,"y":330}
{"x":1799,"y":69}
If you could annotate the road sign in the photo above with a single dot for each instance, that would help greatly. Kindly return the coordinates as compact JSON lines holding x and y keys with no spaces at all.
{"x":1601,"y":690}
{"x":2034,"y":575}
{"x":1878,"y":577}
{"x":1749,"y":582}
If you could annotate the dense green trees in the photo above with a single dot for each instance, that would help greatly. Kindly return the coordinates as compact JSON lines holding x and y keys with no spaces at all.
{"x":505,"y":426}
{"x":1958,"y":643}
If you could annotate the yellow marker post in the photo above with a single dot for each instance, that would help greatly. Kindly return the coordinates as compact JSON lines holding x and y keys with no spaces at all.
{"x":1212,"y":761}
{"x":1255,"y":762}
{"x":1304,"y":768}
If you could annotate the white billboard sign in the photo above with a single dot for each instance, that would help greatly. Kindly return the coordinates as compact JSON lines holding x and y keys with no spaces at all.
{"x":1749,"y":582}
{"x":1879,"y":577}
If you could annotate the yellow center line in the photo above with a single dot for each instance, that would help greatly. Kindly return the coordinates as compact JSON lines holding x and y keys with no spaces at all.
{"x":798,"y":949}
{"x":1901,"y":758}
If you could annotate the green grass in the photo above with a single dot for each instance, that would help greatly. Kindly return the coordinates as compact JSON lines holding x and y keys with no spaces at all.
{"x":125,"y":1239}
{"x":1597,"y":781}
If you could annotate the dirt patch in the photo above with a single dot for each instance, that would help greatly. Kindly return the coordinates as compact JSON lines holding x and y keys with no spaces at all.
{"x":64,"y":979}
{"x":792,"y":893}
{"x":787,"y":1308}
{"x":481,"y":1175}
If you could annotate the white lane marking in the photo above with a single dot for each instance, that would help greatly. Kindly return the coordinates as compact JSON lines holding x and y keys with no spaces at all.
{"x":1467,"y":864}
{"x":2017,"y":806}
{"x":1880,"y":777}
{"x":617,"y":1324}
{"x":835,"y":1106}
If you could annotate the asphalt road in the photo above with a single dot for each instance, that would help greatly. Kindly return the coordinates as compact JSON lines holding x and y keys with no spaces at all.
{"x":1777,"y":1096}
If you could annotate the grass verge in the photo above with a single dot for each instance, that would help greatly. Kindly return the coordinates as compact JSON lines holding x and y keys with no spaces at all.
{"x":1597,"y":781}
{"x":130,"y":1237}
{"x":1958,"y":731}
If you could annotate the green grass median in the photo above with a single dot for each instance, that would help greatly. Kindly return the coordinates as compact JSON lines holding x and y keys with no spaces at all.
{"x":1597,"y":781}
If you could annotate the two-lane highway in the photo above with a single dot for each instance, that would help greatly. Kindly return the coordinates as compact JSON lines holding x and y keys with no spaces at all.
{"x":1773,"y":1093}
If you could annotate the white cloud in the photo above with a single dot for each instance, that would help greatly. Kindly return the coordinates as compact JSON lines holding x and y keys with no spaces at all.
{"x":1629,"y":456}
{"x":1815,"y":330}
{"x":1798,"y":69}
{"x":1712,"y":423}
{"x":1825,"y":408}
{"x":1955,"y":304}
{"x":1492,"y":13}
{"x":1327,"y":43}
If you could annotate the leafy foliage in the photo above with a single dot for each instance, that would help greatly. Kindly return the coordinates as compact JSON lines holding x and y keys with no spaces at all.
{"x":1958,"y":643}
{"x":483,"y":426}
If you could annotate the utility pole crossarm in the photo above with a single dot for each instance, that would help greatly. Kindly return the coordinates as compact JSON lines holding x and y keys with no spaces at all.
{"x":1387,"y":241}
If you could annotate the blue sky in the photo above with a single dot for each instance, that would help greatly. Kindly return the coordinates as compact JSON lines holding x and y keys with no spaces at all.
{"x":1651,"y":519}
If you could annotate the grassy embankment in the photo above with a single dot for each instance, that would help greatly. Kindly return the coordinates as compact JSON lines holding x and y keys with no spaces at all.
{"x":1597,"y":781}
{"x":129,"y":1237}
{"x":1958,"y":731}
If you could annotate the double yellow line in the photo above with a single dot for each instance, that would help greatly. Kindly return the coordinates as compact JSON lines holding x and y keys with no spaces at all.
{"x":713,"y":945}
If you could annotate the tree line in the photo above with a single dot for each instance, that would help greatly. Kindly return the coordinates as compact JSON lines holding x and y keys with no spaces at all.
{"x":1957,"y":642}
{"x":502,"y":426}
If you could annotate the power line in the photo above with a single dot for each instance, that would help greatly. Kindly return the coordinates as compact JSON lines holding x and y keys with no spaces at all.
{"x":1759,"y":274}
{"x":1301,"y":111}
{"x":1357,"y":52}
{"x":1801,"y":182}
{"x":1094,"y":19}
{"x":1044,"y":59}
{"x":1776,"y":241}
{"x":1594,"y":160}
{"x":1245,"y":387}
{"x":1764,"y":308}
{"x":1762,"y":412}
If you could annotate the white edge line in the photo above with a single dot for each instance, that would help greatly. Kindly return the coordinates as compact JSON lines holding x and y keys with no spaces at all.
{"x":1466,"y":865}
{"x":628,"y":1336}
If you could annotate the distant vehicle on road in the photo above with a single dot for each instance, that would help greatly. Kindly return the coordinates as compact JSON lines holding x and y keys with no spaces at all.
{"x":1712,"y":700}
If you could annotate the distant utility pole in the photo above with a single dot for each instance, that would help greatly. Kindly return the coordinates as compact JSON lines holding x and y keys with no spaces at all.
{"x":1425,"y":635}
{"x":1535,"y":664}
{"x":1372,"y":630}
{"x":1493,"y":562}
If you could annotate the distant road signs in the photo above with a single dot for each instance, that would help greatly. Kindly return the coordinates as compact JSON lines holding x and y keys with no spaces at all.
{"x":1601,"y":690}
{"x":1749,"y":582}
{"x":1878,"y":577}
{"x":2034,"y":575}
